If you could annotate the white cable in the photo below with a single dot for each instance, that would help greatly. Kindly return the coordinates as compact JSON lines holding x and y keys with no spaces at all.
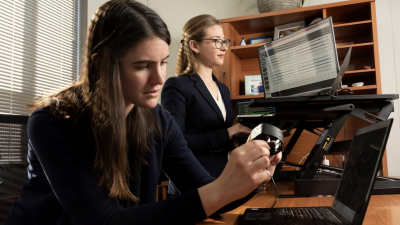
{"x":302,"y":160}
{"x":297,"y":154}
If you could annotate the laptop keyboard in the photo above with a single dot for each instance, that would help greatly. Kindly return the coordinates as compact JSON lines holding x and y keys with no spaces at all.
{"x":319,"y":215}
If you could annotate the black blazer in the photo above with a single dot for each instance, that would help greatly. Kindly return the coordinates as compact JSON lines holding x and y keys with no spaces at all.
{"x":61,"y":185}
{"x":198,"y":116}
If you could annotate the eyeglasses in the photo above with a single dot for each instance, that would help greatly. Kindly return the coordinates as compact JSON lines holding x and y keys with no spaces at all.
{"x":218,"y":42}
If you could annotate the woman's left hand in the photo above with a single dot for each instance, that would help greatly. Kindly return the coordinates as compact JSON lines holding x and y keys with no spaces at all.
{"x":274,"y":159}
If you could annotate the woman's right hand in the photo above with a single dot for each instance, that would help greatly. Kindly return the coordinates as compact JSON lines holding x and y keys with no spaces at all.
{"x":244,"y":172}
{"x":238,"y":128}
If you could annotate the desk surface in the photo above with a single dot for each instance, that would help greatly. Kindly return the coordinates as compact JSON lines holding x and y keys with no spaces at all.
{"x":309,"y":107}
{"x":343,"y":99}
{"x":382,"y":209}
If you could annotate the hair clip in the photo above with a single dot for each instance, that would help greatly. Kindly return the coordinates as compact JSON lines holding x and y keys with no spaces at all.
{"x":181,"y":41}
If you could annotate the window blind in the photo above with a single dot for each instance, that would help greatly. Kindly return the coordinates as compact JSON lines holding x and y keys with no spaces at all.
{"x":38,"y":50}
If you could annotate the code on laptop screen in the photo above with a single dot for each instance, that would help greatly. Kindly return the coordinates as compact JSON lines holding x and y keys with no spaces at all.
{"x":359,"y":170}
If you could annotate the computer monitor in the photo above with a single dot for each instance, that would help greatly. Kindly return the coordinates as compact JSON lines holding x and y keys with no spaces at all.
{"x":302,"y":63}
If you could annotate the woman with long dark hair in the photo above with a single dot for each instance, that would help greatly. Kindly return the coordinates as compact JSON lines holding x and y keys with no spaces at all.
{"x":96,"y":148}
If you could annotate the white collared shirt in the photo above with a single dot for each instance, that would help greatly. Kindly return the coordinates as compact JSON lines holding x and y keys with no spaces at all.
{"x":220,"y":103}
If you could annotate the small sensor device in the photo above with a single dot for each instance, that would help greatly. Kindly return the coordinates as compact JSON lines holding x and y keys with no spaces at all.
{"x":265,"y":131}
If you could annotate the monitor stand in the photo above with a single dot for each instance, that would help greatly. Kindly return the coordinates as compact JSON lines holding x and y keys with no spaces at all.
{"x":308,"y":181}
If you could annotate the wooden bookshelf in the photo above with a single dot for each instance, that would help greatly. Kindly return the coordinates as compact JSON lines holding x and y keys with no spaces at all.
{"x":246,"y":51}
{"x":367,"y":87}
{"x":353,"y":21}
{"x":350,"y":24}
{"x":354,"y":45}
{"x":359,"y":71}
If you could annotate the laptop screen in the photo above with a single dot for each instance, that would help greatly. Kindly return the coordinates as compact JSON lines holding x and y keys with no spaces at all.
{"x":361,"y":167}
{"x":302,"y":63}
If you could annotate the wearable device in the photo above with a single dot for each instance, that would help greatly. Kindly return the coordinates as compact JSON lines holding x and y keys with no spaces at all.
{"x":265,"y":131}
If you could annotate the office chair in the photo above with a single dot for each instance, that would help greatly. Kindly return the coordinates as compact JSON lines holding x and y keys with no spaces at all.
{"x":13,"y":160}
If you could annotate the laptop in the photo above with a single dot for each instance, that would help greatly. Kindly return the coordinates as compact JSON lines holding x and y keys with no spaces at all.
{"x":304,"y":63}
{"x":353,"y":193}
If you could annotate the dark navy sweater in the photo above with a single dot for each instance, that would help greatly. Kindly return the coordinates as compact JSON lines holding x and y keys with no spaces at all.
{"x":61,"y":186}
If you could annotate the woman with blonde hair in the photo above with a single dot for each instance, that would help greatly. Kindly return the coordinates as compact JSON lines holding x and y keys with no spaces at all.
{"x":96,"y":148}
{"x":198,"y":101}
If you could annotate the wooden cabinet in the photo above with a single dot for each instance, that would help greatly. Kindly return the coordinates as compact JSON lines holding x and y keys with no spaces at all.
{"x":353,"y":21}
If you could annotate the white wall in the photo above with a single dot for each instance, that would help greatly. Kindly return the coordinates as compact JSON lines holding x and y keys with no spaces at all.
{"x":94,"y":4}
{"x":175,"y":15}
{"x":92,"y":7}
{"x":387,"y":13}
{"x":176,"y":12}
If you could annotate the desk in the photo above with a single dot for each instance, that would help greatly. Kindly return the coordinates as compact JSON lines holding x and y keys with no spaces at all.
{"x":312,"y":112}
{"x":382,"y":209}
